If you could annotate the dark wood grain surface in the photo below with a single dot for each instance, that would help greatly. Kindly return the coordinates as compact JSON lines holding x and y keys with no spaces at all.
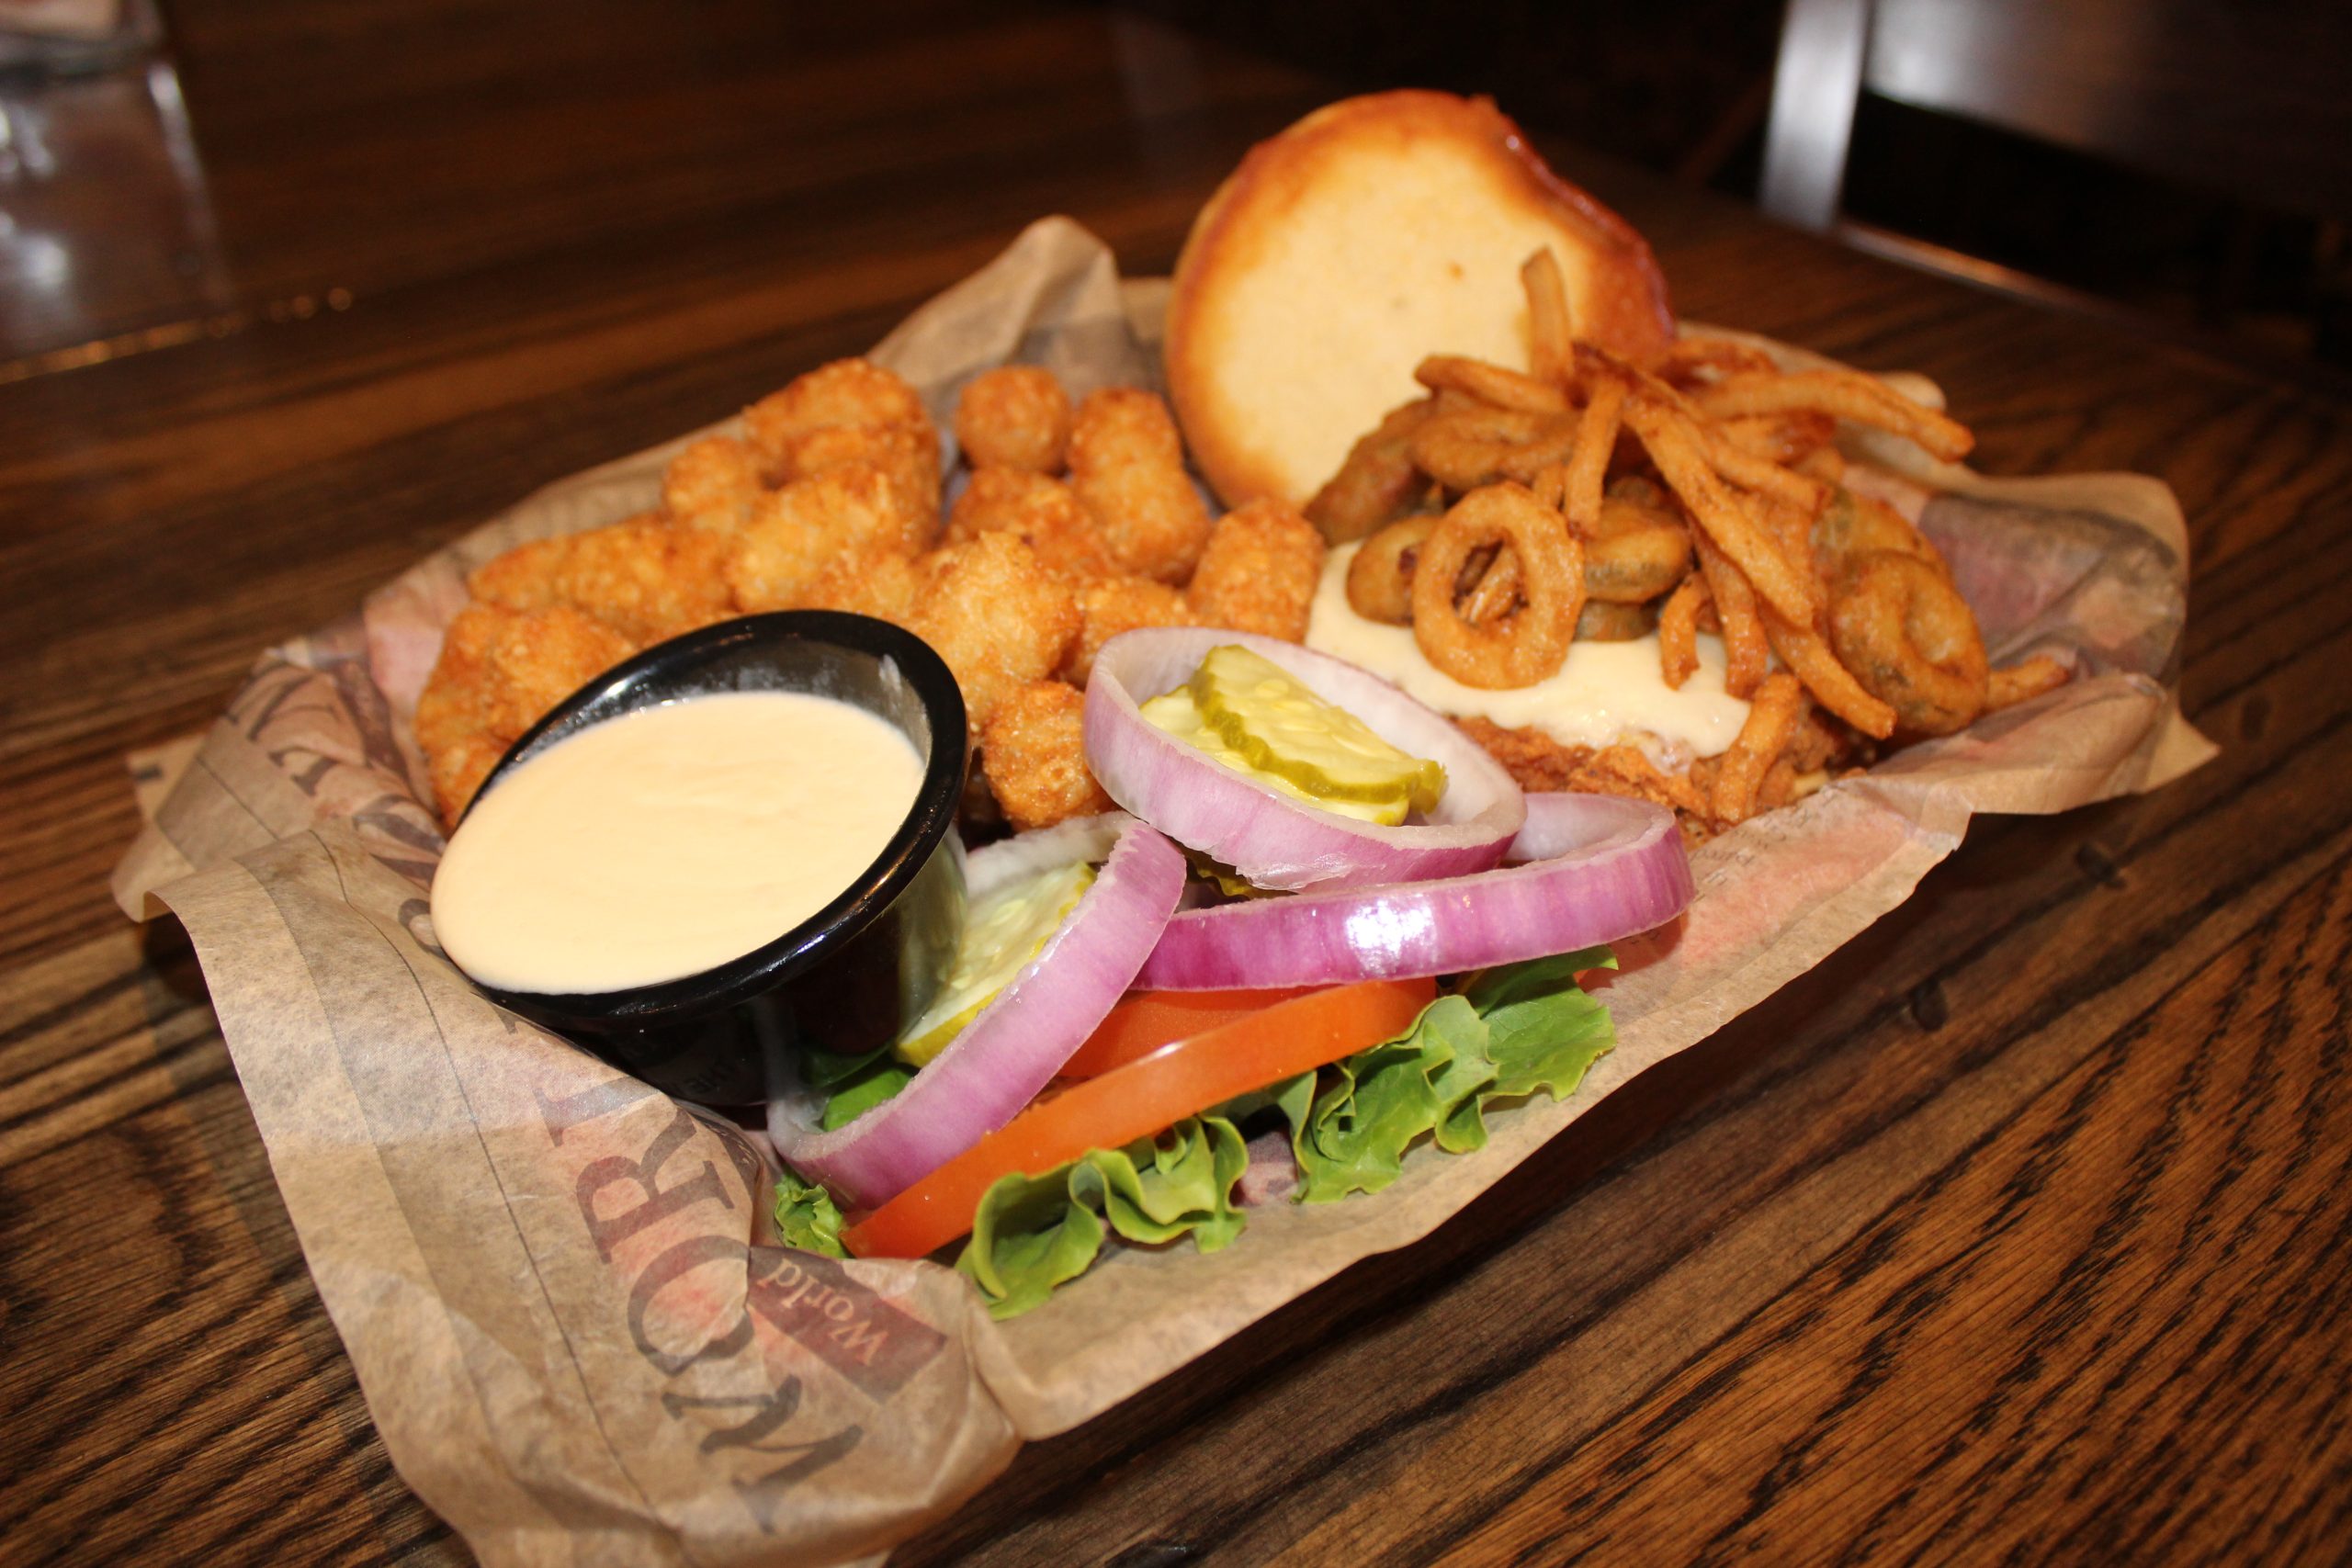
{"x":2020,"y":1228}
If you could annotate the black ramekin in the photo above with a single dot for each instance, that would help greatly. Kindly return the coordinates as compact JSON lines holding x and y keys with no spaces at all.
{"x":848,"y":977}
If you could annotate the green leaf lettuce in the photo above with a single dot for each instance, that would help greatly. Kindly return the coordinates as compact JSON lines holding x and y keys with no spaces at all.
{"x":1544,"y":1030}
{"x":1032,"y":1233}
{"x":1516,"y":1030}
{"x":807,"y":1215}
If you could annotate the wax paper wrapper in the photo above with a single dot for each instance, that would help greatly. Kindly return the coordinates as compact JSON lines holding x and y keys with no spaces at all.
{"x":561,"y":1289}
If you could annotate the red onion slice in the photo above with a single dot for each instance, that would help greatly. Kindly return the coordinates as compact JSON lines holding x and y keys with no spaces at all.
{"x":1013,"y":1049}
{"x":1600,"y":869}
{"x":1042,"y":850}
{"x":1270,"y":839}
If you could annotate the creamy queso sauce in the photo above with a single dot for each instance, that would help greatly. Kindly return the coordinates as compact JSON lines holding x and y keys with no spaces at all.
{"x":662,"y":842}
{"x":1604,"y":692}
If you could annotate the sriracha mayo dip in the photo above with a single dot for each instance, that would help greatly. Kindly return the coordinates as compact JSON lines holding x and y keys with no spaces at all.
{"x":669,"y":840}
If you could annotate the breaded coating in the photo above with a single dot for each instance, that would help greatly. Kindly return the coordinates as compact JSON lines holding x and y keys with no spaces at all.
{"x":1625,"y":770}
{"x":1038,"y":510}
{"x":847,"y":392}
{"x":1821,"y":742}
{"x":908,"y":454}
{"x":713,"y":484}
{"x":1109,"y":605}
{"x":459,"y":766}
{"x":499,"y":670}
{"x":1034,"y":755}
{"x":645,"y":578}
{"x":797,"y":531}
{"x":880,"y":584}
{"x":997,"y":618}
{"x":1534,"y":760}
{"x":1017,"y":416}
{"x":1126,"y":467}
{"x":1258,"y":571}
{"x":1538,"y":762}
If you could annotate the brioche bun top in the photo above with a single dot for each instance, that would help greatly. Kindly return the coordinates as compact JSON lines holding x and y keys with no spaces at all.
{"x":1375,"y":233}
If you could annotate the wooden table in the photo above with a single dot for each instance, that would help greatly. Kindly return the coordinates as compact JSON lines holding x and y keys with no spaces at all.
{"x":2019,"y":1226}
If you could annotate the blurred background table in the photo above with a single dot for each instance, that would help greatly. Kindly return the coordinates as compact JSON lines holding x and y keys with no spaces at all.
{"x":2019,"y":1226}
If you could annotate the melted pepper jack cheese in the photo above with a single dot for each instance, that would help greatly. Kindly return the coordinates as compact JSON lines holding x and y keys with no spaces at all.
{"x":667,"y":841}
{"x":1605,"y":692}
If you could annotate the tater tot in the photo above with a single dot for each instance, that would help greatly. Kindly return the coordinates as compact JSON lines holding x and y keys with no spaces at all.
{"x":847,"y":392}
{"x":880,"y":584}
{"x":533,"y":659}
{"x":1258,"y":571}
{"x":1109,"y":605}
{"x":499,"y":672}
{"x":645,"y":578}
{"x":1126,"y":467}
{"x":1034,"y":755}
{"x":1017,"y":416}
{"x":997,"y":618}
{"x":796,"y":532}
{"x":458,"y":768}
{"x":712,"y":483}
{"x":908,"y":455}
{"x":1038,"y":510}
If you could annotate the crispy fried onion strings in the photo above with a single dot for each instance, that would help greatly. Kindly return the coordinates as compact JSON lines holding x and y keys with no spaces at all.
{"x":1532,"y":641}
{"x":1677,"y":630}
{"x":2022,"y":682}
{"x":1551,"y":345}
{"x":1700,"y":491}
{"x":1380,"y":578}
{"x":1900,"y":625}
{"x":1847,"y":394}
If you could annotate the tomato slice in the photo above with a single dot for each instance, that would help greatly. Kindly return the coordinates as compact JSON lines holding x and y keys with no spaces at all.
{"x":1148,"y":1019}
{"x":1139,"y":1100}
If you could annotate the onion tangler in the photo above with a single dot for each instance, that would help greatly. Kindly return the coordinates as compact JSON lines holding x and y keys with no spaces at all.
{"x":981,"y":1078}
{"x":1598,"y":869}
{"x":1273,"y":841}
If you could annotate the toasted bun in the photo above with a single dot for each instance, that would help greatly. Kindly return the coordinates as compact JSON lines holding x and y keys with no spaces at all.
{"x":1375,"y":233}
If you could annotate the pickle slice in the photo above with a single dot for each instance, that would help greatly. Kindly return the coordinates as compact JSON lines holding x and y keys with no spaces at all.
{"x":1277,"y":723}
{"x":1176,"y":713}
{"x":1002,"y":933}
